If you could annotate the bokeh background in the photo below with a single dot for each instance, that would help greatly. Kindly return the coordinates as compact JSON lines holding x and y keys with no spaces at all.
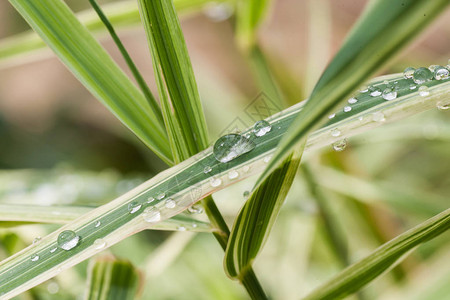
{"x":59,"y":145}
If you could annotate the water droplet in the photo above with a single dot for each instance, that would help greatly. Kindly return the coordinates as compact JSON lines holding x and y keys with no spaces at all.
{"x":267,"y":158}
{"x":389,"y":94}
{"x":331,"y":116}
{"x":53,"y":250}
{"x":97,"y":224}
{"x":161,"y":196}
{"x":181,"y":228}
{"x":432,"y":67}
{"x":34,"y":257}
{"x":364,"y":89}
{"x":151,"y":215}
{"x":347,"y":108}
{"x":233,"y":174}
{"x":335,"y":132}
{"x":230,"y":146}
{"x":375,"y":91}
{"x":195,"y":209}
{"x":261,"y":128}
{"x":378,"y":117}
{"x":194,"y":225}
{"x":246,"y":194}
{"x":170,"y":203}
{"x":423,"y":91}
{"x":99,"y":244}
{"x":36,"y":240}
{"x":360,"y":118}
{"x":246,"y":169}
{"x":150,"y":199}
{"x":422,"y":75}
{"x":352,"y":100}
{"x":441,"y":73}
{"x":340,"y":145}
{"x":443,"y":105}
{"x":409,"y":72}
{"x":68,"y":240}
{"x":412,"y":86}
{"x":215,"y":182}
{"x":207,"y":169}
{"x":134,"y":206}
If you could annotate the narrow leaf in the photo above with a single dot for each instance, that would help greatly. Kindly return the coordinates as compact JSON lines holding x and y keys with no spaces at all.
{"x":384,"y":28}
{"x":177,"y":88}
{"x":385,"y":257}
{"x":90,"y":63}
{"x":255,"y":220}
{"x":111,"y":278}
{"x":250,"y":14}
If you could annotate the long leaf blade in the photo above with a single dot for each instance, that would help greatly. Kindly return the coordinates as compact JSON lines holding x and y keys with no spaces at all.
{"x":361,"y":273}
{"x":255,"y":220}
{"x":180,"y":100}
{"x":385,"y":27}
{"x":90,"y":63}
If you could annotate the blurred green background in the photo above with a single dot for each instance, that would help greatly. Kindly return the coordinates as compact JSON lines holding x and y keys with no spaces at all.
{"x":58,"y":145}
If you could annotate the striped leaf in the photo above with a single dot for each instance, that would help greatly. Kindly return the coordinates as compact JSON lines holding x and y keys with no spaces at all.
{"x":384,"y":28}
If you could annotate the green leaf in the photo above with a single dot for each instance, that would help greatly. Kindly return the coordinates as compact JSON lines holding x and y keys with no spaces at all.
{"x":186,"y":183}
{"x":111,"y":278}
{"x":23,"y":47}
{"x":92,"y":65}
{"x":388,"y":255}
{"x":249,"y":16}
{"x":180,"y":101}
{"x":255,"y":220}
{"x":384,"y":28}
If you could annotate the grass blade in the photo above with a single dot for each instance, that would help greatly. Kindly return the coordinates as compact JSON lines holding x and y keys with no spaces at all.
{"x":250,"y":14}
{"x":136,"y":74}
{"x":186,"y":183}
{"x":255,"y":220}
{"x":361,"y":273}
{"x":111,"y":278}
{"x":384,"y":28}
{"x":90,"y":63}
{"x":180,"y":101}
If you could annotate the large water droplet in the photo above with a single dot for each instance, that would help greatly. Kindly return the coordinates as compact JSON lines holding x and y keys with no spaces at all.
{"x":441,"y":73}
{"x":99,"y":244}
{"x":408,"y":72}
{"x":389,"y":94}
{"x":423,"y":91}
{"x":335,"y":132}
{"x":347,"y":108}
{"x":230,"y":146}
{"x":207,"y":169}
{"x":68,"y":240}
{"x":340,"y":145}
{"x":261,"y":128}
{"x":134,"y":206}
{"x":151,"y":215}
{"x":378,"y":117}
{"x":432,"y":67}
{"x":233,"y":174}
{"x":374,"y":91}
{"x":422,"y":75}
{"x":34,"y":257}
{"x":443,"y":105}
{"x":170,"y":203}
{"x":215,"y":182}
{"x":352,"y":100}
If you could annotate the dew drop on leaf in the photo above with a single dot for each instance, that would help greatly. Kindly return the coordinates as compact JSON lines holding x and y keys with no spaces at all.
{"x":230,"y":146}
{"x":170,"y":203}
{"x":34,"y":257}
{"x":340,"y":145}
{"x":233,"y":174}
{"x":99,"y":244}
{"x":335,"y":132}
{"x":389,"y":94}
{"x":261,"y":128}
{"x":378,"y":117}
{"x":375,"y":91}
{"x":423,"y":91}
{"x":207,"y":169}
{"x":68,"y":240}
{"x":134,"y":206}
{"x":441,"y":73}
{"x":215,"y":182}
{"x":151,"y":215}
{"x":422,"y":75}
{"x":408,"y":72}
